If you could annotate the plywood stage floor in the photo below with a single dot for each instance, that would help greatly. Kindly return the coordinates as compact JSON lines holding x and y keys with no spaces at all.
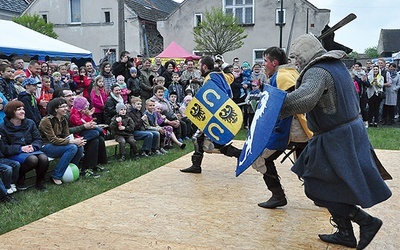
{"x":167,"y":209}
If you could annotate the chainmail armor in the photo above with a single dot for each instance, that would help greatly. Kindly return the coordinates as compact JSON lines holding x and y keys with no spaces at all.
{"x":315,"y":88}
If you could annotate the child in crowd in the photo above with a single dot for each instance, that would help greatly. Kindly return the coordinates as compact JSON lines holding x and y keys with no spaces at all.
{"x":19,"y":77}
{"x":3,"y":103}
{"x":186,"y":124}
{"x":66,"y":77}
{"x":124,"y":89}
{"x":160,"y":80}
{"x":9,"y":170}
{"x":82,"y":82}
{"x":150,"y":123}
{"x":29,"y":100}
{"x":46,"y":94}
{"x":151,"y":138}
{"x":246,"y":79}
{"x":98,"y":97}
{"x":81,"y":114}
{"x":252,"y":100}
{"x":134,"y":83}
{"x":169,"y":132}
{"x":176,"y":86}
{"x":58,"y":83}
{"x":123,"y":127}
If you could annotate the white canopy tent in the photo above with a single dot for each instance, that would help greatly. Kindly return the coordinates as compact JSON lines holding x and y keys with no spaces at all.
{"x":17,"y":40}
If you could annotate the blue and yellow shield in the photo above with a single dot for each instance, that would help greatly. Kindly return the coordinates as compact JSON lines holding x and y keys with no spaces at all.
{"x":212,"y":111}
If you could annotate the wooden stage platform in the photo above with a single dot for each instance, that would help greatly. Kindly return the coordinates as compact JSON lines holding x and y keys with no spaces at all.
{"x":167,"y":209}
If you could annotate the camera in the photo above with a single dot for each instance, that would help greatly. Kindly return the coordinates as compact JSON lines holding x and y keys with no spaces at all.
{"x":112,"y":50}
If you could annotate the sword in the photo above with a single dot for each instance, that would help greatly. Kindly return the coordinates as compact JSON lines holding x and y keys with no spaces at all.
{"x":350,"y":17}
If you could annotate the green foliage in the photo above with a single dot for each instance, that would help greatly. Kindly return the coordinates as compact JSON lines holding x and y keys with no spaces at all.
{"x":36,"y":23}
{"x":218,"y":33}
{"x":371,"y":52}
{"x":354,"y":55}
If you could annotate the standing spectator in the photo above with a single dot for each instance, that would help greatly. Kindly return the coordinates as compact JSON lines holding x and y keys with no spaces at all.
{"x":374,"y":99}
{"x":360,"y":77}
{"x":151,"y":138}
{"x":257,"y":74}
{"x":109,"y":78}
{"x":6,"y":84}
{"x":169,"y":69}
{"x":122,"y":67}
{"x":3,"y":103}
{"x":252,"y":100}
{"x":123,"y":127}
{"x":44,"y":69}
{"x":146,"y":80}
{"x":23,"y":143}
{"x":58,"y":84}
{"x":33,"y":71}
{"x":56,"y":140}
{"x":160,"y":67}
{"x":391,"y":96}
{"x":91,"y":72}
{"x":98,"y":98}
{"x":46,"y":94}
{"x":18,"y":64}
{"x":134,"y":83}
{"x":66,"y":76}
{"x":112,"y":100}
{"x":28,"y":98}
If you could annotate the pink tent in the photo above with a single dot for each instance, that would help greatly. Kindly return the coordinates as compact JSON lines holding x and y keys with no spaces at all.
{"x":175,"y":51}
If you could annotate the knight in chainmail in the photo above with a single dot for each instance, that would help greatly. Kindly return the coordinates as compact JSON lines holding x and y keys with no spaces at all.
{"x":338,"y":166}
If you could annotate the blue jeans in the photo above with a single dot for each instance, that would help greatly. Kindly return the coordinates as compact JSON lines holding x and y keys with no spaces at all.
{"x":70,"y":153}
{"x":3,"y":190}
{"x":90,"y":134}
{"x":10,"y":171}
{"x":151,"y":139}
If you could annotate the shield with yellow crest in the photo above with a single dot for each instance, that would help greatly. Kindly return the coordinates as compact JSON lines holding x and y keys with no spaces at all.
{"x":212,"y":111}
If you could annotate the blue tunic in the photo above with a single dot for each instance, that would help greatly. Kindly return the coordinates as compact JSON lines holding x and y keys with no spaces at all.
{"x":337,"y":164}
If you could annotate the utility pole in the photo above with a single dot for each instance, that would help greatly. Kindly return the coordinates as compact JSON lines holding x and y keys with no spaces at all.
{"x":281,"y":25}
{"x":121,"y":26}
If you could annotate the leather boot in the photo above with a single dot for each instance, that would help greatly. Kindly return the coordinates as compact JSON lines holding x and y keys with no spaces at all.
{"x":230,"y":150}
{"x":277,"y":199}
{"x":196,"y":165}
{"x":369,"y":226}
{"x":344,"y":235}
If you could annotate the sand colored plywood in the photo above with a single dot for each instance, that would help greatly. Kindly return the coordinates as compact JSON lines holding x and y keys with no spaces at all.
{"x":166,"y":209}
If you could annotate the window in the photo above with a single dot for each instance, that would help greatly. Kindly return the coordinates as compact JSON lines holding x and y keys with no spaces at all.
{"x":241,"y":9}
{"x":44,"y":16}
{"x":75,"y":11}
{"x":197,"y":19}
{"x":280,"y":16}
{"x":107,"y":16}
{"x":258,"y":56}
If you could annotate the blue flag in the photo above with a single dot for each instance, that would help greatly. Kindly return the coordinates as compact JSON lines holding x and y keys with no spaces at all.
{"x":262,"y":127}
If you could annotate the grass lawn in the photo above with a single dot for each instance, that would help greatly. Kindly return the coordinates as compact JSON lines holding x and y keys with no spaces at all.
{"x":34,"y":205}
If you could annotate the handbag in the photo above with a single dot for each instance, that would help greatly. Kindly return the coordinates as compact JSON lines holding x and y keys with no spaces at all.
{"x":381,"y":95}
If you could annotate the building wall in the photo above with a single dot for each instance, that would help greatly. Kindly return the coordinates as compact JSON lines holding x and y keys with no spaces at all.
{"x":263,"y":34}
{"x":93,"y":33}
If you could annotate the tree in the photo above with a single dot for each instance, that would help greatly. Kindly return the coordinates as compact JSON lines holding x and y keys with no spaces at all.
{"x":371,"y":52}
{"x":36,"y":23}
{"x":354,"y":55}
{"x":218,"y":33}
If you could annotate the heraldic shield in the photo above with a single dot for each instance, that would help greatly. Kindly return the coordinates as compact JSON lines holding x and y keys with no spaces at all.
{"x":212,"y":111}
{"x":261,"y":129}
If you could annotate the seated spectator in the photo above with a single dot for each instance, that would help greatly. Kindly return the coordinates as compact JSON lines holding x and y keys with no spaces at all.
{"x":9,"y":171}
{"x":56,"y":140}
{"x":123,"y":126}
{"x":98,"y":97}
{"x":169,"y":132}
{"x":112,"y":100}
{"x":23,"y":143}
{"x":4,"y":197}
{"x":124,"y":89}
{"x":29,"y":100}
{"x":151,"y":138}
{"x":134,"y":83}
{"x":150,"y":123}
{"x":186,"y":124}
{"x":95,"y":149}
